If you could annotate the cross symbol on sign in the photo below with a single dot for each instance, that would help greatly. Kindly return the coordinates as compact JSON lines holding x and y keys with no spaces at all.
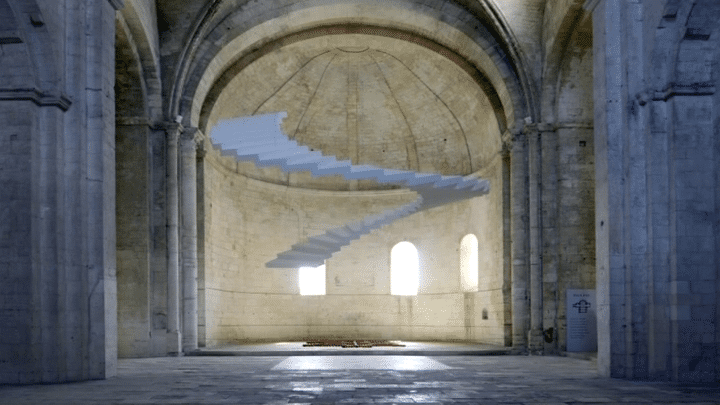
{"x":582,"y":306}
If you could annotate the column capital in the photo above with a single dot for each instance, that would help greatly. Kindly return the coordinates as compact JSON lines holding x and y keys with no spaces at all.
{"x":201,"y":148}
{"x":172,"y":131}
{"x":515,"y":141}
{"x":546,"y":127}
{"x":191,"y":138}
{"x":529,"y":129}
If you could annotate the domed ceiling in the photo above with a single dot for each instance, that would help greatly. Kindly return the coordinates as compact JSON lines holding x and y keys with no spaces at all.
{"x":371,"y":99}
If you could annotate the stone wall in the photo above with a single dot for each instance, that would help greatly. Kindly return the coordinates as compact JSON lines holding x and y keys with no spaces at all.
{"x":247,"y":222}
{"x":57,"y":275}
{"x":657,"y":209}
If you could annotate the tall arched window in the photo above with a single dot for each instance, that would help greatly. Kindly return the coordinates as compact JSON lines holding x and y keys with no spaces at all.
{"x":469,"y":262}
{"x":312,"y":280}
{"x":404,"y":269}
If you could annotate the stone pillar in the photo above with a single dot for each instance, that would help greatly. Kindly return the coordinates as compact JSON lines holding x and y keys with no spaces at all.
{"x":621,"y":192}
{"x":202,"y":211}
{"x":158,"y":189}
{"x":519,"y":224}
{"x":507,"y":238}
{"x":188,"y":199}
{"x":535,"y":334}
{"x":550,"y":240}
{"x":58,"y":319}
{"x":173,"y":265}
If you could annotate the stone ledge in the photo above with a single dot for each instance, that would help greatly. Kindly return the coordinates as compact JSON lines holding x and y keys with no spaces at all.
{"x":10,"y":37}
{"x":694,"y":89}
{"x":38,"y":97}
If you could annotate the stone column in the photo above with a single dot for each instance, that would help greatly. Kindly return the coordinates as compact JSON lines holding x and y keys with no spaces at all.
{"x":519,"y":224}
{"x":201,"y":214}
{"x":535,"y":334}
{"x":173,"y":278}
{"x":550,"y":240}
{"x":188,"y":199}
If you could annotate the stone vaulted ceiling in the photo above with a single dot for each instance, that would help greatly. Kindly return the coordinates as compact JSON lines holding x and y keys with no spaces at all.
{"x":373,"y":100}
{"x":409,"y":84}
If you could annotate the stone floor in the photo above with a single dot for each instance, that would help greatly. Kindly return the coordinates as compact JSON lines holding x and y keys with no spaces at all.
{"x":360,"y":380}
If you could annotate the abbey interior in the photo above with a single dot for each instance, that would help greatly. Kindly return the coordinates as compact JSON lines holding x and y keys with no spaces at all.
{"x":127,"y":232}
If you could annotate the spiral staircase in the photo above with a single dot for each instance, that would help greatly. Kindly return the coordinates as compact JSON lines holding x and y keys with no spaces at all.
{"x":259,"y":139}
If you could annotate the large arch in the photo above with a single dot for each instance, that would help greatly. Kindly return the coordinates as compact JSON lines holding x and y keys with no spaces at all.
{"x":230,"y":36}
{"x":219,"y":39}
{"x":137,"y":18}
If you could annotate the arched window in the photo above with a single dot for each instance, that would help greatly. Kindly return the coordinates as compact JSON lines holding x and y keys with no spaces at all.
{"x":312,"y":280}
{"x":469,"y":262}
{"x":404,"y":269}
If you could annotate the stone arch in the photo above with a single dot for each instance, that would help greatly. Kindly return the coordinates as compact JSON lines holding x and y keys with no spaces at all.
{"x":222,"y":34}
{"x":223,"y":79}
{"x":574,"y":18}
{"x":131,"y":91}
{"x":130,"y":25}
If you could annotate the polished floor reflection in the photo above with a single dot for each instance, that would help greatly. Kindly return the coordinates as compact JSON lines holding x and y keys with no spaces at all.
{"x":400,"y":363}
{"x":264,"y":380}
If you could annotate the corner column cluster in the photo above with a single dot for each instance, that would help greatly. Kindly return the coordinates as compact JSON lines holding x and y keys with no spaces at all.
{"x":182,"y":239}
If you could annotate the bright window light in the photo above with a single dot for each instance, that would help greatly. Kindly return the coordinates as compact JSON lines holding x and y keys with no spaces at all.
{"x":469,"y":262}
{"x":404,"y":273}
{"x":312,"y":280}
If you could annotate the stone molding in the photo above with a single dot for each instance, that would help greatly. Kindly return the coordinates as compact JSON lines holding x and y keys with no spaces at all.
{"x":697,"y":34}
{"x":683,"y":90}
{"x":173,"y":130}
{"x":554,"y":126}
{"x":133,"y":121}
{"x":117,"y":4}
{"x":507,"y":140}
{"x":9,"y":37}
{"x":42,"y":99}
{"x":191,"y":138}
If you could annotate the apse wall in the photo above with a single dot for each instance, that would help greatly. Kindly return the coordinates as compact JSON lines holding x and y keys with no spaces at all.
{"x":246,"y":222}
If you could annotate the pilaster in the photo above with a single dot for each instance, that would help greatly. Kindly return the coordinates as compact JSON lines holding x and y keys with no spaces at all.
{"x":535,"y":334}
{"x":520,"y":243}
{"x":189,"y":141}
{"x":174,"y":347}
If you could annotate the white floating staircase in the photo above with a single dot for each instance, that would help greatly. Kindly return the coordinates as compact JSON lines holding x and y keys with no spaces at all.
{"x":261,"y":141}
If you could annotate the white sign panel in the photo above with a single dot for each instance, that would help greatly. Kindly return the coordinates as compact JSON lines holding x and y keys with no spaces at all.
{"x":581,"y":321}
